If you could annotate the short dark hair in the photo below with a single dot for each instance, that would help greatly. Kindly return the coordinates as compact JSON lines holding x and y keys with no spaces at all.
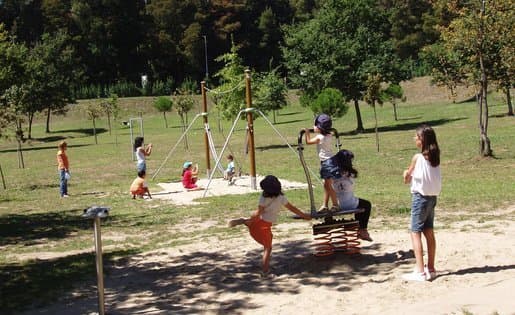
{"x":141,"y":173}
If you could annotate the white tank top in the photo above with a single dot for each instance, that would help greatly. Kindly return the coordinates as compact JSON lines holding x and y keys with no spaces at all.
{"x":426,"y":180}
{"x":325,"y":146}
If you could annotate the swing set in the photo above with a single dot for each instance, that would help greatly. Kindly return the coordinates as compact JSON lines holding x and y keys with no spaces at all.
{"x":210,"y":150}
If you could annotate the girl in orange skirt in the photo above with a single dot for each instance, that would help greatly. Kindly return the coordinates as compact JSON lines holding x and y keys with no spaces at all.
{"x":260,"y":223}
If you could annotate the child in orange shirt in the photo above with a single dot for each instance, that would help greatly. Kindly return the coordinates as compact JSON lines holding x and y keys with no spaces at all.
{"x":139,"y":186}
{"x":63,"y":167}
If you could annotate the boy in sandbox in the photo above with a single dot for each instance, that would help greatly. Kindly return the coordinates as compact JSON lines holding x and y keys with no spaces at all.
{"x":139,"y":186}
{"x":260,"y":223}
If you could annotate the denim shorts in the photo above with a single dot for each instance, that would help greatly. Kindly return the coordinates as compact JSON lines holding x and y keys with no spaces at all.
{"x":422,"y":212}
{"x":141,"y":166}
{"x":328,"y":169}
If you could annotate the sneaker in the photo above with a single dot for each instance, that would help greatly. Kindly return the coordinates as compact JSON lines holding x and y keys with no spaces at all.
{"x":414,"y":276}
{"x":363,"y":234}
{"x":234,"y":222}
{"x":430,"y":275}
{"x":334,"y":209}
{"x":65,"y":196}
{"x":323,"y":210}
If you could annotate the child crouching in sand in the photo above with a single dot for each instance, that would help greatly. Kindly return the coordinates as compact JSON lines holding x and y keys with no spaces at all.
{"x":260,"y":223}
{"x":139,"y":186}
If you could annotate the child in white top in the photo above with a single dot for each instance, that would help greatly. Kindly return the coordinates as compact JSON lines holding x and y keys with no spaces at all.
{"x":328,"y":171}
{"x":270,"y":203}
{"x":425,"y":178}
{"x":142,"y":152}
{"x":344,"y":188}
{"x":229,"y":171}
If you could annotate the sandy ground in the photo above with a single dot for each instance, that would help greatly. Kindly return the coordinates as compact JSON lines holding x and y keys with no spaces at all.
{"x":476,"y":275}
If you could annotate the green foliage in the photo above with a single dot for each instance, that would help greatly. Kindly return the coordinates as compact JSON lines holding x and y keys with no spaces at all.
{"x":331,"y":102}
{"x":163,"y":104}
{"x":270,"y":92}
{"x":123,"y":89}
{"x":231,"y":77}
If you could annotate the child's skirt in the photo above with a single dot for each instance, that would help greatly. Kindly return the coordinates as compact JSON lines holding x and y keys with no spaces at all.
{"x":261,"y":231}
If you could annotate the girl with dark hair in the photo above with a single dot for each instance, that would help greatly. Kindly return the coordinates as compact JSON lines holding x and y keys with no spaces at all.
{"x":426,"y":183}
{"x":328,"y":171}
{"x":142,"y":152}
{"x":344,"y":188}
{"x":260,"y":223}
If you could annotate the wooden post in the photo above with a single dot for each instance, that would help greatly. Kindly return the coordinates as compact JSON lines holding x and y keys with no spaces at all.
{"x":250,"y":131}
{"x":100,"y":272}
{"x":204,"y":115}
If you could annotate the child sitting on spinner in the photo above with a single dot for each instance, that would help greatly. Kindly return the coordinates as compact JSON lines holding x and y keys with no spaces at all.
{"x":344,"y":188}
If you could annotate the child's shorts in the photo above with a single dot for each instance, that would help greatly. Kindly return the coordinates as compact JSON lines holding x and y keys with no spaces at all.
{"x":138,"y":192}
{"x":329,"y":169}
{"x":261,"y":231}
{"x":422,"y":212}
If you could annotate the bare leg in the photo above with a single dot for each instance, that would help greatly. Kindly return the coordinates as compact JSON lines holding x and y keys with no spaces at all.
{"x":266,"y":259}
{"x":416,"y":240}
{"x":327,"y":191}
{"x":431,"y":248}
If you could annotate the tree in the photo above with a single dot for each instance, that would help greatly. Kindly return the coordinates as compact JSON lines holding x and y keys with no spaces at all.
{"x":478,"y":36}
{"x":270,"y":92}
{"x":339,"y":47}
{"x":331,"y":102}
{"x":231,"y":84}
{"x":110,"y":107}
{"x":16,"y":100}
{"x":392,"y":94}
{"x":93,"y":112}
{"x":52,"y":75}
{"x":184,"y":102}
{"x":163,"y":104}
{"x":447,"y":68}
{"x":373,"y":97}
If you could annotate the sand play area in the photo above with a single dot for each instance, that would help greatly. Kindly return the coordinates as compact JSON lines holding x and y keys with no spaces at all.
{"x":476,"y":273}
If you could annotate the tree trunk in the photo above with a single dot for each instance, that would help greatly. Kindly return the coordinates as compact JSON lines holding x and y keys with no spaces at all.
{"x":109,"y":121}
{"x":166,"y":122}
{"x":508,"y":100}
{"x":395,"y":111}
{"x":48,"y":120}
{"x":375,"y":127}
{"x":273,"y":112}
{"x":31,"y":118}
{"x":183,"y":122}
{"x":359,"y":128}
{"x":21,"y":163}
{"x":485,"y":149}
{"x":95,"y":130}
{"x":3,"y":179}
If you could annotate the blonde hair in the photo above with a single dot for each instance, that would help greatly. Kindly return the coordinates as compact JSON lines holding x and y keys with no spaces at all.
{"x":62,"y":145}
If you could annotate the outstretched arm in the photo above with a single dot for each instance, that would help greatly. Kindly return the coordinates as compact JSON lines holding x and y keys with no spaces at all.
{"x":308,"y":138}
{"x":298,"y":212}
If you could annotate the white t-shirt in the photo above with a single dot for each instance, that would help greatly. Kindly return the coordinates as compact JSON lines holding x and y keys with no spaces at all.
{"x":425,"y":179}
{"x":344,"y":188}
{"x":140,"y":155}
{"x":272,"y":207}
{"x":324,"y":146}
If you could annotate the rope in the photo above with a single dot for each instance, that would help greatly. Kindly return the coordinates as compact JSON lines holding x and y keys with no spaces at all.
{"x":240,"y":84}
{"x":212,"y":146}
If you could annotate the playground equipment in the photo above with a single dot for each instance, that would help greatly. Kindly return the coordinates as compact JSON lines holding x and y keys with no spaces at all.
{"x":331,"y":235}
{"x":96,"y":213}
{"x":209,"y":145}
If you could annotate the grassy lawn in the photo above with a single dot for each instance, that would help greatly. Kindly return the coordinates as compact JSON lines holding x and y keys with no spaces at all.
{"x":34,"y":221}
